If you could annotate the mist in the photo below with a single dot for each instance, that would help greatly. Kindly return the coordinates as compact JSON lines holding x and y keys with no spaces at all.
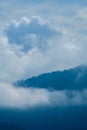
{"x":22,"y":98}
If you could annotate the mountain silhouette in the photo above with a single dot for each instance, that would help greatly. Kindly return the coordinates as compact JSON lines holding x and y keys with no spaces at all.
{"x":71,"y":79}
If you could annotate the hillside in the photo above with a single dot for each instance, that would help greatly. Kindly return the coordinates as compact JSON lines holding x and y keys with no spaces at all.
{"x":74,"y":78}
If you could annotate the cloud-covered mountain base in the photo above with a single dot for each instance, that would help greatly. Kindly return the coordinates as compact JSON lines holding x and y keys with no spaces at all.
{"x":20,"y":98}
{"x":51,"y":110}
{"x":30,"y":108}
{"x":41,"y":108}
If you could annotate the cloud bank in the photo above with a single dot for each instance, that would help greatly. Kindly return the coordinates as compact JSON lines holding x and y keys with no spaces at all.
{"x":21,"y":98}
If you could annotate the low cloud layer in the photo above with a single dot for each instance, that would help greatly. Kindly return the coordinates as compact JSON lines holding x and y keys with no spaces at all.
{"x":20,"y":98}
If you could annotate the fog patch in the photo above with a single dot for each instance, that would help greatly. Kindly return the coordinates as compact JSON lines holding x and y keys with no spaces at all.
{"x":13,"y":97}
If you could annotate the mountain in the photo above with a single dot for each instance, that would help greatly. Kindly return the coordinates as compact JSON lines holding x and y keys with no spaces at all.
{"x":71,"y":79}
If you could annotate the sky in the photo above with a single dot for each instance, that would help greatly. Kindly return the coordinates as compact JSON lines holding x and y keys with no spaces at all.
{"x":41,"y":36}
{"x":37,"y":37}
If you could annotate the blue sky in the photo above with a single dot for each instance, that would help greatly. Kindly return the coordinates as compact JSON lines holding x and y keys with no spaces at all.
{"x":29,"y":6}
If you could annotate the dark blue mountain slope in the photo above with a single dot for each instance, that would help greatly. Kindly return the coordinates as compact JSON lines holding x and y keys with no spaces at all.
{"x":71,"y":79}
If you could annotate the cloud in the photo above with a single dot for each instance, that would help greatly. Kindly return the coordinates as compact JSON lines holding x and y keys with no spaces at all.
{"x":20,"y":98}
{"x":30,"y":33}
{"x":11,"y":97}
{"x":34,"y":46}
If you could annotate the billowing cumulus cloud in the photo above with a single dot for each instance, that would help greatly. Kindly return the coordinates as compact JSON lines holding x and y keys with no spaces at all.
{"x":28,"y":34}
{"x":12,"y":97}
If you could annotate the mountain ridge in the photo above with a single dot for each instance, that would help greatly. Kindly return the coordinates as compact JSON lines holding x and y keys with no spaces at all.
{"x":74,"y":78}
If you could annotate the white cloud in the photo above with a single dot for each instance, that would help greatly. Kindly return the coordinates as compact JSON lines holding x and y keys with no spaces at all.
{"x":30,"y":33}
{"x":11,"y":97}
{"x":58,"y":51}
{"x":20,"y":98}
